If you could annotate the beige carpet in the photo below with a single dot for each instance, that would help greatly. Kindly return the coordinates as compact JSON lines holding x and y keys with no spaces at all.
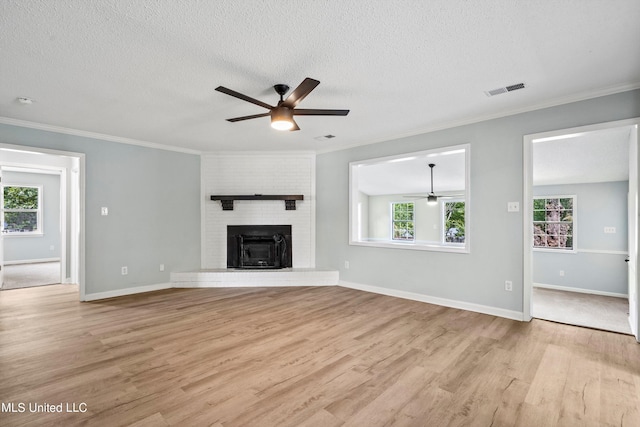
{"x":592,"y":311}
{"x":27,"y":275}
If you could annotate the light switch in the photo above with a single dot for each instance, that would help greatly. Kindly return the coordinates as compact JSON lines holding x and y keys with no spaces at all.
{"x":610,"y":230}
{"x":104,"y":211}
{"x":513,"y":207}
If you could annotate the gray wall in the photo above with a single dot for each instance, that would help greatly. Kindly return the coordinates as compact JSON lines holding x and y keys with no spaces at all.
{"x":591,"y":268}
{"x":153,"y":198}
{"x":496,"y":178}
{"x":428,"y":221}
{"x":26,"y":248}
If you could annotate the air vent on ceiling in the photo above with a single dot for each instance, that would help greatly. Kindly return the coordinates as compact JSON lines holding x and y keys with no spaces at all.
{"x":324,"y":137}
{"x":510,"y":88}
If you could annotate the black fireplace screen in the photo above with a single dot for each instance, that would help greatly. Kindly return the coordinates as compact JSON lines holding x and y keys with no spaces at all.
{"x":259,"y":246}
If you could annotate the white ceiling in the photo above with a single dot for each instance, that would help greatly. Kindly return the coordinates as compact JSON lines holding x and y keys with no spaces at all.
{"x":411,"y":175}
{"x":598,"y":156}
{"x":146,"y":70}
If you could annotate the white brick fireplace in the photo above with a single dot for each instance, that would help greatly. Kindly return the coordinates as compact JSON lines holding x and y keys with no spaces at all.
{"x":253,"y":173}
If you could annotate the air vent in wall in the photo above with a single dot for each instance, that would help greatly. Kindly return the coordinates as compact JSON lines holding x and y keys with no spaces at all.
{"x":510,"y":88}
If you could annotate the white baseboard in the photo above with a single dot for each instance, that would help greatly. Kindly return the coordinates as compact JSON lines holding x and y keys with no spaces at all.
{"x":31,"y":261}
{"x":579,"y":290}
{"x":478,"y":308}
{"x":494,"y":311}
{"x":230,"y":279}
{"x":126,"y":291}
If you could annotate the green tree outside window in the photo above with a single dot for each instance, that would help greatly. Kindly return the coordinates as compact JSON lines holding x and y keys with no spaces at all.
{"x":454,"y":222}
{"x":21,"y":209}
{"x":403,"y":226}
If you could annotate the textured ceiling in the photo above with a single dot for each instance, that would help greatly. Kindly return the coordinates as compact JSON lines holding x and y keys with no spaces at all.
{"x":146,"y":70}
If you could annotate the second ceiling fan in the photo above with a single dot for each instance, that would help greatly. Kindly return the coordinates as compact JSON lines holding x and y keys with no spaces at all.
{"x":282,"y":114}
{"x":432,"y":199}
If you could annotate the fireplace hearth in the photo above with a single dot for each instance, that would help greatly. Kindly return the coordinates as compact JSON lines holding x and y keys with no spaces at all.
{"x":259,"y":246}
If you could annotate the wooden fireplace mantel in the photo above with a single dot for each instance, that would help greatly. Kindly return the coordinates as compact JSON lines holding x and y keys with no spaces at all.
{"x":289,"y":199}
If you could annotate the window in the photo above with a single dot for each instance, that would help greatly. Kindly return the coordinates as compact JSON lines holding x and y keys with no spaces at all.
{"x":553,"y":222}
{"x":403,"y":227}
{"x":389,"y":203}
{"x":453,"y":218}
{"x":22,"y":209}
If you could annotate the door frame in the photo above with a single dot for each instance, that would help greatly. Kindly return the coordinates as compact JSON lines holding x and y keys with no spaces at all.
{"x":528,"y":203}
{"x":73,"y":172}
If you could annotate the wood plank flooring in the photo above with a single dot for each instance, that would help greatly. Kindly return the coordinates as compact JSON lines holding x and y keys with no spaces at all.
{"x":323,"y":356}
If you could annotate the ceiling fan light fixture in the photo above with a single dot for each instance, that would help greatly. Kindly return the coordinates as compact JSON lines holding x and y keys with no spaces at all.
{"x":282,"y":118}
{"x":282,"y":114}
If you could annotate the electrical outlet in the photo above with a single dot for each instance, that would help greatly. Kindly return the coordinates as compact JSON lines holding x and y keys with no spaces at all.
{"x":508,"y":285}
{"x":161,"y":267}
{"x":124,"y":271}
{"x":346,"y":265}
{"x":561,"y":273}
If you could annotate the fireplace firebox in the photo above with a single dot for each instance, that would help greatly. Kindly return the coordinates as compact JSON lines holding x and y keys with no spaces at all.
{"x":259,"y":246}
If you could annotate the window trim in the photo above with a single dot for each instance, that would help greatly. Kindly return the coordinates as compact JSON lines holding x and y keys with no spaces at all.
{"x":574,"y":233}
{"x":39,"y":213}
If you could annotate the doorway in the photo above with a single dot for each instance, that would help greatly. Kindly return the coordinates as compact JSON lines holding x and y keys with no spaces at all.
{"x":48,"y":248}
{"x":579,"y":226}
{"x":32,"y":226}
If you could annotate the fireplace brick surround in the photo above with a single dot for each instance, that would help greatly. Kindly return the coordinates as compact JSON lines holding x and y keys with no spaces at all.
{"x":252,"y":173}
{"x":244,"y":173}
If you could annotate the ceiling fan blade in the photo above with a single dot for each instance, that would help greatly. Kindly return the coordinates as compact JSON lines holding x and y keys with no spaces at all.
{"x":300,"y":92}
{"x":254,"y":116}
{"x":243,"y":97}
{"x":295,"y":126}
{"x":316,"y":112}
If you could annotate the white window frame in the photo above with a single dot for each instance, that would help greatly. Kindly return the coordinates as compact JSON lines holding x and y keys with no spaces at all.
{"x":393,"y":221}
{"x":574,"y":248}
{"x":39,"y":213}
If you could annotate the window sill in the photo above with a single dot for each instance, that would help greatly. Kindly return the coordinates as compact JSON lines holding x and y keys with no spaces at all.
{"x":556,"y":251}
{"x":434,"y":247}
{"x":20,"y":235}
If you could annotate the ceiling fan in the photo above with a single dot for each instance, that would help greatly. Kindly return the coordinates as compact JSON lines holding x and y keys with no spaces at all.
{"x":432,"y":199}
{"x":282,"y":114}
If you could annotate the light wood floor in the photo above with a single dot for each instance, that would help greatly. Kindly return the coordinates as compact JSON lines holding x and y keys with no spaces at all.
{"x":325,"y":356}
